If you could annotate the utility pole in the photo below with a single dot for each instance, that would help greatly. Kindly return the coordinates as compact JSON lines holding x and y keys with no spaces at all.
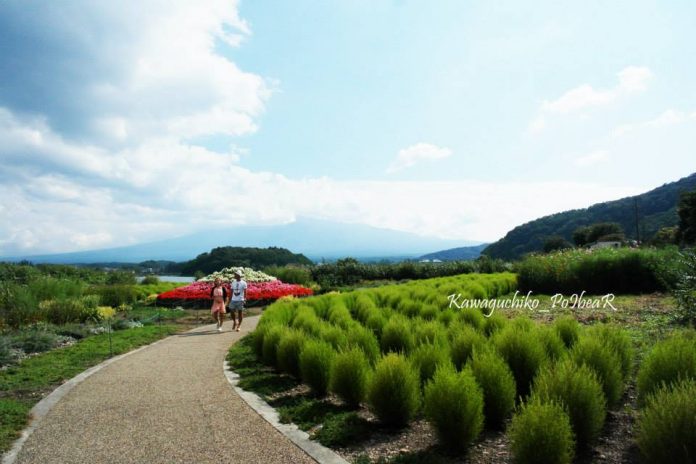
{"x":635,"y":211}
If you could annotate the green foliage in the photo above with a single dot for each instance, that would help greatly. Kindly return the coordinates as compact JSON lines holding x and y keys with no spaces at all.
{"x":343,"y":429}
{"x":349,"y":375}
{"x":115,"y":295}
{"x":619,"y":342}
{"x":580,"y":393}
{"x":495,"y":378}
{"x":686,"y":210}
{"x":35,"y":341}
{"x":554,"y":346}
{"x":427,"y":358}
{"x":463,"y":345}
{"x":150,"y":280}
{"x":657,"y":208}
{"x":599,"y":272}
{"x":394,"y":391}
{"x":667,"y":425}
{"x":591,"y":352}
{"x":288,"y":351}
{"x":360,"y":337}
{"x":494,"y":323}
{"x":397,"y":336}
{"x":667,"y":363}
{"x":568,"y":329}
{"x":256,"y":258}
{"x":291,"y":274}
{"x":6,"y":356}
{"x":523,"y":352}
{"x":541,"y":434}
{"x":453,"y":404}
{"x":555,"y":243}
{"x":685,"y":291}
{"x":315,"y":365}
{"x":429,"y":332}
{"x":269,"y":350}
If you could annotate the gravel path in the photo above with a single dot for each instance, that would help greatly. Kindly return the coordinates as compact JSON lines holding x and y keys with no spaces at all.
{"x":168,"y":403}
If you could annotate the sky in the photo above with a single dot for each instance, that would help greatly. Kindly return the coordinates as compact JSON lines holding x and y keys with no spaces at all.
{"x":127,"y":122}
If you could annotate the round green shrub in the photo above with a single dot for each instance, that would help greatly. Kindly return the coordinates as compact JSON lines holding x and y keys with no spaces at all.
{"x":619,"y":341}
{"x":35,"y":341}
{"x":393,"y":393}
{"x":349,"y":374}
{"x":523,"y":352}
{"x":473,"y":317}
{"x":363,"y":338}
{"x":541,"y":434}
{"x":429,"y":312}
{"x":288,"y":352}
{"x":429,"y":332}
{"x":315,"y":365}
{"x":568,"y":329}
{"x":495,"y":378}
{"x":554,"y":346}
{"x":446,"y":317}
{"x":453,"y":404}
{"x":339,"y":315}
{"x":376,"y":322}
{"x":667,"y":425}
{"x":397,"y":336}
{"x":427,"y":358}
{"x":464,"y":345}
{"x":604,"y":362}
{"x":307,"y":321}
{"x":335,"y":336}
{"x":579,"y":391}
{"x":271,"y":339}
{"x":668,"y":362}
{"x":494,"y":323}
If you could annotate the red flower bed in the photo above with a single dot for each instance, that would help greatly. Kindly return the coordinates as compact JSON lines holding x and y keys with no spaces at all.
{"x":199,"y":292}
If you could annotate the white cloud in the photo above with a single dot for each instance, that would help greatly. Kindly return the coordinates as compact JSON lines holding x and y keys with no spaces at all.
{"x":591,"y":159}
{"x":667,"y":118}
{"x":631,"y":80}
{"x":414,"y":154}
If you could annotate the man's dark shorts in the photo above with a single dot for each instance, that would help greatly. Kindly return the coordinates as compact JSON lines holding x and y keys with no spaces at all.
{"x":236,"y":306}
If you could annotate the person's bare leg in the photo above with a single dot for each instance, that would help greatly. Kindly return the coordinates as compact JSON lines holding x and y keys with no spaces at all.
{"x":240,"y":314}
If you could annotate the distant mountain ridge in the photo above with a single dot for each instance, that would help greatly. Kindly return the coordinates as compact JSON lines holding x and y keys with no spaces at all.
{"x":656,"y":208}
{"x":457,"y":254}
{"x":316,"y":239}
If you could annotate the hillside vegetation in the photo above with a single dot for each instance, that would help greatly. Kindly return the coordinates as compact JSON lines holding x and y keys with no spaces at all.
{"x":656,"y":209}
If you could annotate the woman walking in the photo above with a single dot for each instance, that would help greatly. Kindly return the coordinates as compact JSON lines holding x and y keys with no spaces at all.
{"x":219,"y":295}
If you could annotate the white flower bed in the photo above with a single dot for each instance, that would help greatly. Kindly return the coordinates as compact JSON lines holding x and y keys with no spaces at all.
{"x":249,"y":275}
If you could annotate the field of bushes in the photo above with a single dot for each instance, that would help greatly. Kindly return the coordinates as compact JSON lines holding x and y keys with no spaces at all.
{"x":401,"y":354}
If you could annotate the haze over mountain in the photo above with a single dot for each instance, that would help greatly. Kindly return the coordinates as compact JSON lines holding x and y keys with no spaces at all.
{"x":654,"y":209}
{"x":315,"y":239}
{"x":457,"y":254}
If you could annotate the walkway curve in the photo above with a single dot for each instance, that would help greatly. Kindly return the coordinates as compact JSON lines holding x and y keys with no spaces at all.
{"x":167,"y":403}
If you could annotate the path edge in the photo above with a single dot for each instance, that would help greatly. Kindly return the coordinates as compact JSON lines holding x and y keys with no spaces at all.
{"x":300,"y":438}
{"x":43,"y":407}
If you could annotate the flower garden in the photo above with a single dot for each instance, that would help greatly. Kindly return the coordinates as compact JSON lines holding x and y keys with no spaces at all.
{"x":399,"y":355}
{"x":261,"y":289}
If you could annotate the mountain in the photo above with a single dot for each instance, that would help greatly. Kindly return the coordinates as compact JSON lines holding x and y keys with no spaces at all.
{"x":316,"y":239}
{"x":457,"y":254}
{"x":655,"y":209}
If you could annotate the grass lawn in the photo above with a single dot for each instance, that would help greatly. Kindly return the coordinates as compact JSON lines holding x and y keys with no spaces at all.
{"x":26,"y":384}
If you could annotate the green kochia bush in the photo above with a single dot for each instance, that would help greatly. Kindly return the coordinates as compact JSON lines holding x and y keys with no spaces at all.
{"x":269,"y":351}
{"x":580,"y":392}
{"x":619,"y":342}
{"x":495,"y":378}
{"x":464,"y":344}
{"x":364,"y":339}
{"x":667,"y":425}
{"x":349,"y":374}
{"x":453,"y":403}
{"x":668,"y":362}
{"x":541,"y":434}
{"x":315,"y":365}
{"x":397,"y":336}
{"x":494,"y":323}
{"x":288,"y":351}
{"x":427,"y":358}
{"x":554,"y":346}
{"x":604,"y":362}
{"x":393,"y":393}
{"x":524,"y":353}
{"x":568,"y":329}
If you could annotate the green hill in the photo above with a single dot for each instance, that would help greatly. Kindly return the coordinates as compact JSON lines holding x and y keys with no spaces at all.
{"x":457,"y":254}
{"x":221,"y":257}
{"x":656,"y":208}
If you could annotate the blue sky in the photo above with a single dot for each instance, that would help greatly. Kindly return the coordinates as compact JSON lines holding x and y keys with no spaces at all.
{"x":132,"y":121}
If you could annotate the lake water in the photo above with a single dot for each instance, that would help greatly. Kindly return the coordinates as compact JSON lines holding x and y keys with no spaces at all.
{"x":169,"y":278}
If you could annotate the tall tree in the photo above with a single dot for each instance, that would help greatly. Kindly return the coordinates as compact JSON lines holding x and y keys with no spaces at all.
{"x":687,"y":217}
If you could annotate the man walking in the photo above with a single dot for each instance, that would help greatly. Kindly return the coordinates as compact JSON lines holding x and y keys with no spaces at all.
{"x":237,"y":300}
